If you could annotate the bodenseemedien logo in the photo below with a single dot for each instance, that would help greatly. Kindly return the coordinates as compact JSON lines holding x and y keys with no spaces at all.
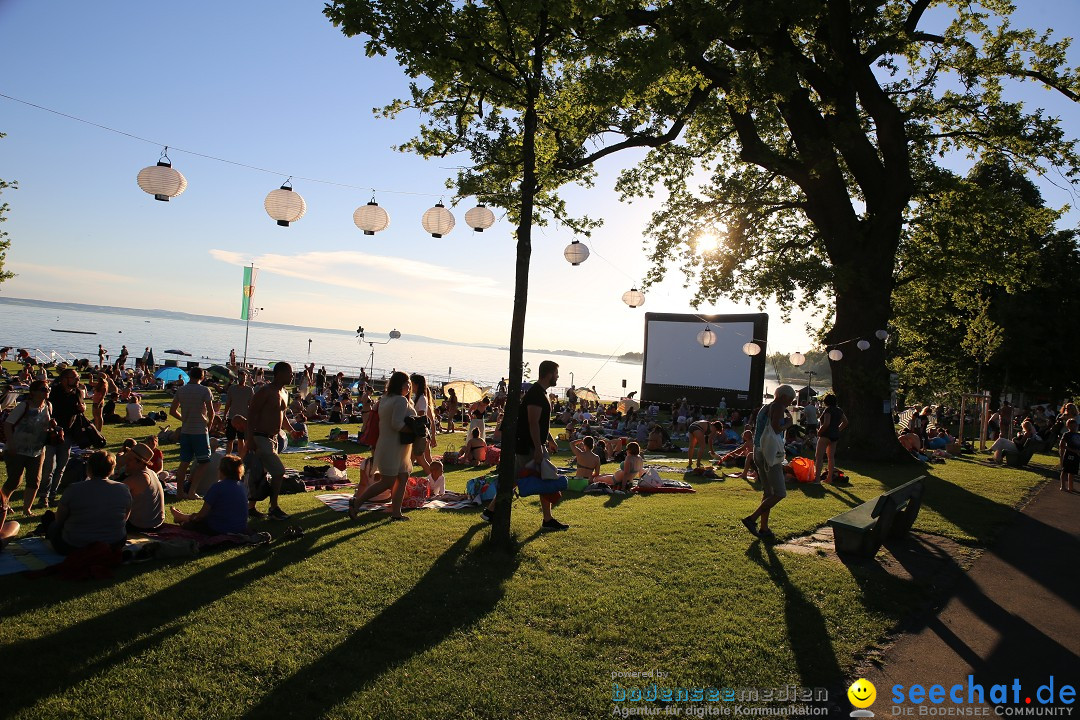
{"x":862,"y":695}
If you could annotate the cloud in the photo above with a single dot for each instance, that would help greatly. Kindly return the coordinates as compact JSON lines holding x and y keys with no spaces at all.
{"x":381,"y":274}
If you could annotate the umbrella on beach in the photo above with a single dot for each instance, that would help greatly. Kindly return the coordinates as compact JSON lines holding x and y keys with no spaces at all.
{"x":169,"y":374}
{"x":587,"y":395}
{"x":466,"y":391}
{"x":221,"y":372}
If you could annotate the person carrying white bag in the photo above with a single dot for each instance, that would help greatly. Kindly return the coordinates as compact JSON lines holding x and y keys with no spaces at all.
{"x":772,"y":421}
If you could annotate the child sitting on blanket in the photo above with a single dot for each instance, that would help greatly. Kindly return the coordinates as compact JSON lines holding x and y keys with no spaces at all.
{"x":225,"y":505}
{"x":436,"y":480}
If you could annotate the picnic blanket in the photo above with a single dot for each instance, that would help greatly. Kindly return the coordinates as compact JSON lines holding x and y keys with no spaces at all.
{"x":339,"y":502}
{"x":309,"y":448}
{"x":353,"y":461}
{"x":28,"y":553}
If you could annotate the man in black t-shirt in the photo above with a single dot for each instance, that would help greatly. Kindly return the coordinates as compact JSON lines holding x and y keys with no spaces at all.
{"x":66,"y":398}
{"x":534,"y":420}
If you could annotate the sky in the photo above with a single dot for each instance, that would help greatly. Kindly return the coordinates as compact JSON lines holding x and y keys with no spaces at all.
{"x":273,"y":84}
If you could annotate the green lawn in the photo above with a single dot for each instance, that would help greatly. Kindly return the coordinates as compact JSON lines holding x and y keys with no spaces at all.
{"x":420,"y":619}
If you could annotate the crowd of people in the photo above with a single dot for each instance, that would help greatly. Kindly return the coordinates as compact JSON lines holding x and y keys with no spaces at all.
{"x":231,"y":434}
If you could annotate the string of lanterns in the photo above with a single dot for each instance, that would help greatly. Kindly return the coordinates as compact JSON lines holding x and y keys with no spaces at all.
{"x":286,"y":206}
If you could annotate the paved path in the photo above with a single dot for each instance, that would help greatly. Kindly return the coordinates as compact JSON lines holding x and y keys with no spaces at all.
{"x":1014,"y":614}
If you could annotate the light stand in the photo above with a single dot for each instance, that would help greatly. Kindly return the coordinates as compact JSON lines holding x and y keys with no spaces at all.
{"x":394,"y":335}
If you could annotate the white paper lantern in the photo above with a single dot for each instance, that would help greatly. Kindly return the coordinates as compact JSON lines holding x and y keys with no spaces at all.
{"x":796,"y":358}
{"x":634,"y":298}
{"x":371,"y":218}
{"x":706,"y":338}
{"x":479,"y":218}
{"x":162,"y":180}
{"x":836,"y":355}
{"x":575,"y":253}
{"x":882,"y":335}
{"x":751,"y":349}
{"x":438,"y":221}
{"x":863,"y":344}
{"x":285,"y":205}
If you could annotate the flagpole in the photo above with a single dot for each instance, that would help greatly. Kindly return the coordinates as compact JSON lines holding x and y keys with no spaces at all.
{"x":249,"y":291}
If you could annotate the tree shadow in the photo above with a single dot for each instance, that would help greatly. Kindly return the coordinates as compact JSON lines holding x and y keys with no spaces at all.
{"x":89,"y":648}
{"x":1021,"y":648}
{"x":811,"y":644}
{"x":458,"y":590}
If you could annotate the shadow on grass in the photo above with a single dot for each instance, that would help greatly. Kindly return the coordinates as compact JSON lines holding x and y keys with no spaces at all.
{"x":456,"y":592}
{"x":811,"y":644}
{"x":92,"y":647}
{"x":1021,"y":649}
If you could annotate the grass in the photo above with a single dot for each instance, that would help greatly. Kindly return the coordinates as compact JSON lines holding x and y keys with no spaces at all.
{"x":421,"y":619}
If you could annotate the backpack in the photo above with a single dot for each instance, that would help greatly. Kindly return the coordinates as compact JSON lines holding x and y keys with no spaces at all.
{"x":482,"y":489}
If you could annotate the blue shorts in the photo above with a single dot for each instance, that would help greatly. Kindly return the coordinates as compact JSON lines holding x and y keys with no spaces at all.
{"x":194,"y":447}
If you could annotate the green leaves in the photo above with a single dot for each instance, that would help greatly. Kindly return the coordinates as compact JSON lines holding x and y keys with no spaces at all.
{"x":5,"y":242}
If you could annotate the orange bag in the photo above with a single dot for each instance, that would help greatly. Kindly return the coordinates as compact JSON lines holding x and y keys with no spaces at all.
{"x":804,"y":469}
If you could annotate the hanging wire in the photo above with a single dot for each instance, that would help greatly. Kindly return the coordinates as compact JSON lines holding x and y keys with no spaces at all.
{"x":214,"y":157}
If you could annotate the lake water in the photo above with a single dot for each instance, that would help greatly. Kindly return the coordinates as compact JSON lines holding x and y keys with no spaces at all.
{"x":31,"y":328}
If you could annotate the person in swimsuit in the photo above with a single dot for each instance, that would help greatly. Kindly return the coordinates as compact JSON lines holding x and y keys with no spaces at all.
{"x":102,"y":388}
{"x":451,"y":406}
{"x":588,"y":463}
{"x":701,"y":437}
{"x":631,"y":469}
{"x":474,"y":452}
{"x":833,"y":422}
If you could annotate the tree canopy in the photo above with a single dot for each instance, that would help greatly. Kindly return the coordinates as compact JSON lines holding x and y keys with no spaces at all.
{"x":824,"y":138}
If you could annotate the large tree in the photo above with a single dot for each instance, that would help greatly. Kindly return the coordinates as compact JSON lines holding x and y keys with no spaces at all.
{"x":983,"y":290}
{"x":826,"y":132}
{"x":530,"y":90}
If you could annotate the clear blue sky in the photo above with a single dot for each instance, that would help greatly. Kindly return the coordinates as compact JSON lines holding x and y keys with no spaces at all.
{"x":273,"y":84}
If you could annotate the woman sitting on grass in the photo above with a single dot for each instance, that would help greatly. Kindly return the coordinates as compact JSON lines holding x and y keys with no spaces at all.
{"x":631,"y":469}
{"x":588,"y":463}
{"x":475,"y":451}
{"x":225,"y":505}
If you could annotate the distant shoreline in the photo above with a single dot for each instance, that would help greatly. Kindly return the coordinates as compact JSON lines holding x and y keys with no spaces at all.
{"x":190,"y":317}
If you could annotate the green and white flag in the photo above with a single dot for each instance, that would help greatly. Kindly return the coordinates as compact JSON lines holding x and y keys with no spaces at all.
{"x":249,"y":290}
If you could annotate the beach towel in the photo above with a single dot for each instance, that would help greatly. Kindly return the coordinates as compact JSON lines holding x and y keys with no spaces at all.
{"x":308,"y":448}
{"x":29,"y":553}
{"x":339,"y":502}
{"x":668,"y":486}
{"x":93,"y":562}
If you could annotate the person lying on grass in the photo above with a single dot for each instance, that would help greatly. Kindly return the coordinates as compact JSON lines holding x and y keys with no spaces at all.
{"x":225,"y":505}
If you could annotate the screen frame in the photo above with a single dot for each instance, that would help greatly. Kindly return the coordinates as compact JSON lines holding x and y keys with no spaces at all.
{"x":710,"y":396}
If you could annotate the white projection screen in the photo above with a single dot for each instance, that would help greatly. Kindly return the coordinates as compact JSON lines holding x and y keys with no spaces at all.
{"x":677,"y":366}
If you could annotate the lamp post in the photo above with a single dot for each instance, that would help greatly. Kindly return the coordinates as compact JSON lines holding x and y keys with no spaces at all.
{"x":809,"y":379}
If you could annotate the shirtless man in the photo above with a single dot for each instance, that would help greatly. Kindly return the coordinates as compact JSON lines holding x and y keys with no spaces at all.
{"x":266,"y":418}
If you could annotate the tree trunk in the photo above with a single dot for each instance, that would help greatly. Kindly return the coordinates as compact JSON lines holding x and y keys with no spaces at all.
{"x":861,"y":378}
{"x":500,"y":532}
